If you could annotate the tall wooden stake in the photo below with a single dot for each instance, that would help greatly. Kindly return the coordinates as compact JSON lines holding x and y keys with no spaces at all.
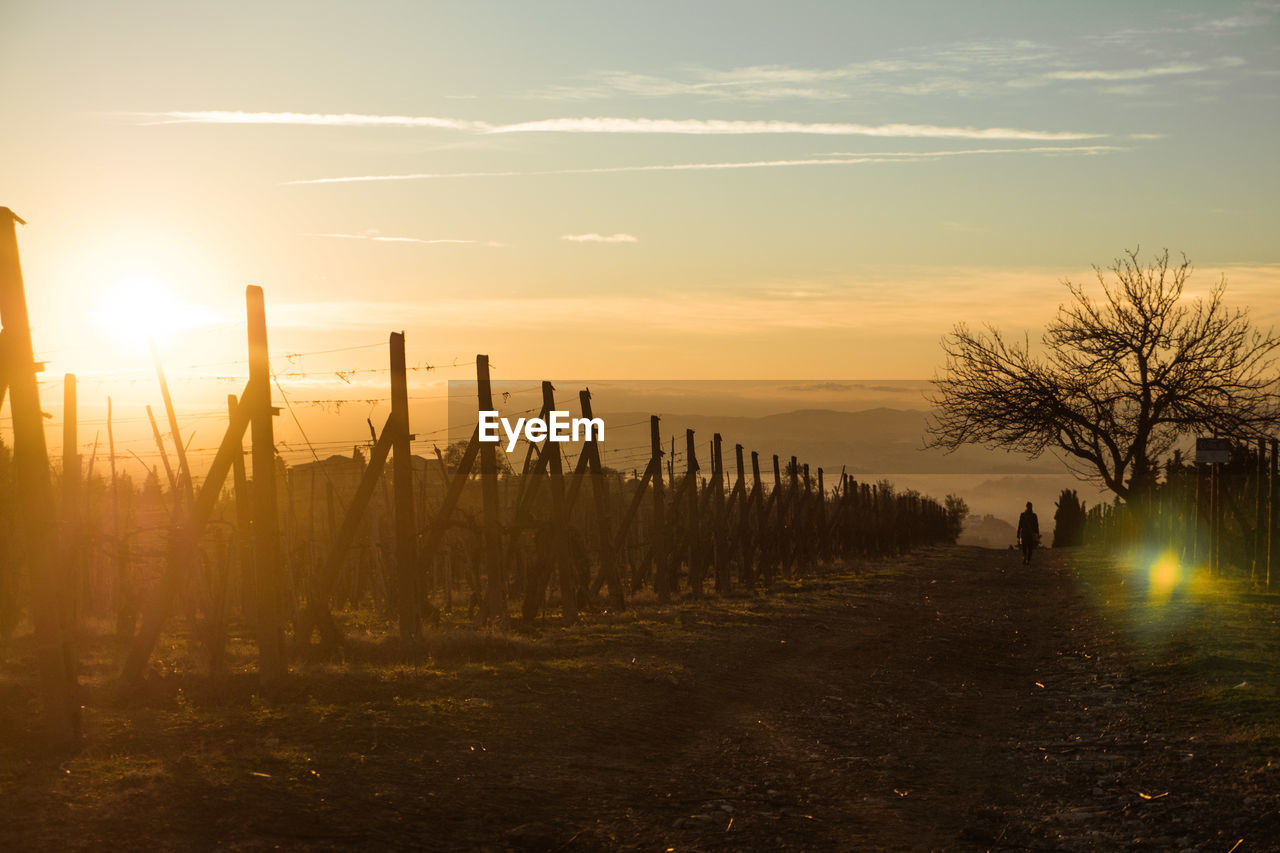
{"x":1271,"y":510}
{"x":122,"y":596}
{"x":402,"y":474}
{"x":1259,"y":511}
{"x":37,"y":515}
{"x":720,"y":532}
{"x":267,"y":564}
{"x":781,"y":506}
{"x":739,"y":497}
{"x":824,"y":544}
{"x":569,"y":583}
{"x":71,"y":553}
{"x":697,"y":568}
{"x":495,"y":603}
{"x":662,"y":575}
{"x":244,"y":513}
{"x":604,"y":528}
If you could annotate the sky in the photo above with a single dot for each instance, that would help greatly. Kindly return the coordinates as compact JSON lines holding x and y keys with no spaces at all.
{"x":704,"y":190}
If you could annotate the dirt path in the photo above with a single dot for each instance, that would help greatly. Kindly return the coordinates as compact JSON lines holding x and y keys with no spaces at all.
{"x":951,"y":700}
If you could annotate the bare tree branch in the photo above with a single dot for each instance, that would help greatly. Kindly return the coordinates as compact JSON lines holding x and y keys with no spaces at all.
{"x":1126,"y":370}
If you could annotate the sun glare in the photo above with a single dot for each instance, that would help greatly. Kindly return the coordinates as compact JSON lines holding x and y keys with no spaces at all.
{"x":1164,"y":576}
{"x":136,"y":309}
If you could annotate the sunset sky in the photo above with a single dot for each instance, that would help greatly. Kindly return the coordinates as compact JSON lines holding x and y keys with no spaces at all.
{"x":704,"y":190}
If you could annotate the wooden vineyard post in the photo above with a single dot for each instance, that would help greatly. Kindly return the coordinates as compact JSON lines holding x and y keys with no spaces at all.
{"x":609,"y":572}
{"x":879,"y":539}
{"x":777,"y":551}
{"x":820,"y":520}
{"x":743,"y":532}
{"x":1259,"y":507}
{"x":759,"y":512}
{"x":244,"y":513}
{"x":71,"y":552}
{"x":267,"y":564}
{"x":244,"y":542}
{"x":662,"y":569}
{"x":569,"y":585}
{"x":1213,"y":518}
{"x":495,"y":605}
{"x":1271,"y":510}
{"x":718,"y":519}
{"x":804,"y":521}
{"x":795,"y":516}
{"x":693,"y":523}
{"x":402,"y":475}
{"x":840,"y":518}
{"x":37,"y":514}
{"x":122,"y":592}
{"x":871,"y":520}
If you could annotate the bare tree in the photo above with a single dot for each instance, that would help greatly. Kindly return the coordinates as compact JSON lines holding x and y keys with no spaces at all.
{"x":1118,"y":378}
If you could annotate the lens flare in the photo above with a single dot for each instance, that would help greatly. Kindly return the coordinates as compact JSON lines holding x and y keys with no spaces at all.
{"x":1164,"y":576}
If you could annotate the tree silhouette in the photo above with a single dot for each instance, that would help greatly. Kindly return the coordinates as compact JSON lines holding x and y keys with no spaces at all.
{"x":1068,"y":520}
{"x":957,"y":512}
{"x":1117,"y":378}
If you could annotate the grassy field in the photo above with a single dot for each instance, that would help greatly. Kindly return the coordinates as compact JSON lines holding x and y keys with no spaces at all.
{"x":950,"y":699}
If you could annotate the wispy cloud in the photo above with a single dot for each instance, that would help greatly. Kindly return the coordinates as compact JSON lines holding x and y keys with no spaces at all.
{"x":1129,"y":73}
{"x":1035,"y":149}
{"x":825,"y":160}
{"x":704,"y":127}
{"x":309,"y":119}
{"x":1158,"y":39}
{"x":973,"y":69}
{"x":699,"y":127}
{"x":377,"y":238}
{"x":966,"y":68}
{"x":600,"y":238}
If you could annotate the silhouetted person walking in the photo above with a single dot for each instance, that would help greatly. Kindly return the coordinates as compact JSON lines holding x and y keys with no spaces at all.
{"x":1028,"y":533}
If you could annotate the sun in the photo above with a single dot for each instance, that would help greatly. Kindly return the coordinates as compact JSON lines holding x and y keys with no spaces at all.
{"x":137,"y":308}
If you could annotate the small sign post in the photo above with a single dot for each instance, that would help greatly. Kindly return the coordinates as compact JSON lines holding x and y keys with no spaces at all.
{"x":1213,"y":450}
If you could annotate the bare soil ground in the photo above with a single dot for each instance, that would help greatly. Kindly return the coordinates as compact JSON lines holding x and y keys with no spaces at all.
{"x":949,"y":700}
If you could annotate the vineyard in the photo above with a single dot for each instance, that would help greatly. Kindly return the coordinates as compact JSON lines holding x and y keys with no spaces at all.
{"x":284,"y":551}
